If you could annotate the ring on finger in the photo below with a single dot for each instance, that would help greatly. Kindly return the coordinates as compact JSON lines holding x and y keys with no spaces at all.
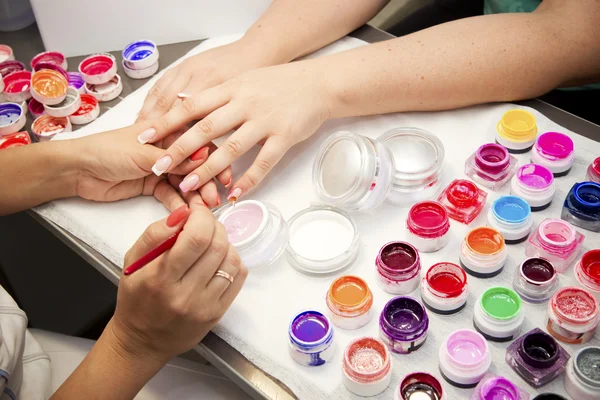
{"x":223,"y":274}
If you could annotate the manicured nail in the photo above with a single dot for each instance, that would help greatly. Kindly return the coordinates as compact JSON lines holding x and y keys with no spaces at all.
{"x":189,"y":182}
{"x":162,"y":165}
{"x":235,"y":194}
{"x":147,"y":135}
{"x":177,"y":216}
{"x":201,"y":154}
{"x":229,"y":182}
{"x":183,"y":95}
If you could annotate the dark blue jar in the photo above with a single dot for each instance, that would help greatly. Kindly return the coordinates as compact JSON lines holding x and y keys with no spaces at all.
{"x":582,"y":206}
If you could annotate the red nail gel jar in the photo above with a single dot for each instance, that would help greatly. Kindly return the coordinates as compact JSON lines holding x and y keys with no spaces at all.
{"x":428,"y":226}
{"x":463,"y":200}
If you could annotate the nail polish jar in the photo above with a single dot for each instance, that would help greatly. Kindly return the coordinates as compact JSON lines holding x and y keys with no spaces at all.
{"x":587,"y":272}
{"x":556,"y":241}
{"x":493,"y":387}
{"x":322,"y":239}
{"x":444,"y":288}
{"x":593,"y":171}
{"x":8,"y":67}
{"x":50,"y":66}
{"x":491,"y":166}
{"x":366,"y":367}
{"x":483,"y":253}
{"x":582,"y":206}
{"x":535,"y":280}
{"x":572,"y":315}
{"x":68,"y":106}
{"x":46,"y":127}
{"x":428,"y":226}
{"x":582,"y":379}
{"x":517,"y":131}
{"x":537,"y":357}
{"x":419,"y":386}
{"x":349,"y":302}
{"x":511,"y":216}
{"x":14,"y":140}
{"x":549,"y":396}
{"x":12,"y":118}
{"x":140,"y":55}
{"x":107,"y":91}
{"x":353,"y":172}
{"x":403,"y":324}
{"x":36,"y":109}
{"x":98,"y":69}
{"x":88,"y":110}
{"x":418,"y":159}
{"x":463,"y":200}
{"x":464,"y":358}
{"x":555,"y":151}
{"x":535,"y":184}
{"x":398,"y":266}
{"x":498,"y":314}
{"x":53,"y":57}
{"x":311,"y":338}
{"x":256,"y":230}
{"x":48,"y":87}
{"x":76,"y":82}
{"x":17,"y":86}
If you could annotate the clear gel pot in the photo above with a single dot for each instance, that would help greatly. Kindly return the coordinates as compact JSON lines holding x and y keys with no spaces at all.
{"x":555,"y":151}
{"x":517,"y":131}
{"x":498,"y":314}
{"x":493,"y":387}
{"x":587,"y":272}
{"x":366,"y":367}
{"x":444,"y":288}
{"x":483,"y":252}
{"x":256,"y":230}
{"x":428,"y":226}
{"x":511,"y":216}
{"x":582,"y":206}
{"x":582,"y":380}
{"x":556,"y":241}
{"x":398,"y":266}
{"x":418,"y":156}
{"x":573,"y":315}
{"x":349,"y":302}
{"x":353,"y":172}
{"x":536,"y":280}
{"x":311,"y":338}
{"x":535,"y":184}
{"x":464,"y":358}
{"x":419,"y":386}
{"x":403,"y":324}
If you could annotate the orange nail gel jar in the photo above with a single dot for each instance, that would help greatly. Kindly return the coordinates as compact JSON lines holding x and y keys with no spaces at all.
{"x":349,"y":302}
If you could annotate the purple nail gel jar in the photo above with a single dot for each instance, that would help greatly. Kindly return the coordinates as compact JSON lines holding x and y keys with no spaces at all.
{"x":497,"y":387}
{"x":403,"y":324}
{"x":491,"y":166}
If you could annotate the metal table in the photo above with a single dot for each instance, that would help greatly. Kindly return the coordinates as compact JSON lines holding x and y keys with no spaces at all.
{"x":228,"y":360}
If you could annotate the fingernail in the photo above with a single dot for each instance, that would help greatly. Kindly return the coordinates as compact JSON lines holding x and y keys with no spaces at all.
{"x":147,"y":135}
{"x":201,"y":154}
{"x":177,"y":216}
{"x":189,"y":182}
{"x":235,"y":194}
{"x":183,"y":95}
{"x":162,"y":165}
{"x":229,"y":182}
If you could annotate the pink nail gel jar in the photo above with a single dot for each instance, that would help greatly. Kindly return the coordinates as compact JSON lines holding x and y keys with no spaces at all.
{"x":582,"y":380}
{"x":554,"y":151}
{"x":573,"y":315}
{"x":587,"y":272}
{"x":493,"y":387}
{"x":444,"y":288}
{"x":398,"y":265}
{"x":366,"y":367}
{"x":556,"y":241}
{"x":428,"y":226}
{"x":593,"y":171}
{"x":419,"y":386}
{"x":534,"y":183}
{"x":491,"y":166}
{"x":464,"y":358}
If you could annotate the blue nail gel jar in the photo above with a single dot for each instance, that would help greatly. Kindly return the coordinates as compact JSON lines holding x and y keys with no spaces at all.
{"x":582,"y":206}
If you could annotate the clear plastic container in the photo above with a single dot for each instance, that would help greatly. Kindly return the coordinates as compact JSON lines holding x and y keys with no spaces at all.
{"x":557,"y":241}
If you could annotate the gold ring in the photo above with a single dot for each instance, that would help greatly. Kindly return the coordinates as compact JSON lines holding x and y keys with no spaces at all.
{"x":225,"y":275}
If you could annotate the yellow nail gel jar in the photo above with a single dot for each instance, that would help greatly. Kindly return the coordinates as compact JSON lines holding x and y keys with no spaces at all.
{"x":517,"y":131}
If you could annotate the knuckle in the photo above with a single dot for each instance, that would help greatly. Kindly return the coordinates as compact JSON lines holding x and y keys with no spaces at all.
{"x":162,"y":102}
{"x":178,"y":151}
{"x":243,"y":272}
{"x":189,"y":105}
{"x":252,"y":181}
{"x":164,"y":124}
{"x":233,"y":258}
{"x":219,"y":248}
{"x":205,"y":127}
{"x":264,"y":165}
{"x":199,"y":241}
{"x":149,"y":237}
{"x":233,"y":147}
{"x":208,"y":169}
{"x":156,"y":90}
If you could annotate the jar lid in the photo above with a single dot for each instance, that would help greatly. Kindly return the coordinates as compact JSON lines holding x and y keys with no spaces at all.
{"x":35,"y":108}
{"x":53,"y":57}
{"x":89,"y":109}
{"x":6,"y":53}
{"x":49,"y":87}
{"x":46,"y":126}
{"x":68,"y":106}
{"x":105,"y":91}
{"x":140,"y":73}
{"x":14,"y":140}
{"x":51,"y":66}
{"x":17,"y":86}
{"x":12,"y":118}
{"x":76,"y":81}
{"x":8,"y":67}
{"x":140,"y":55}
{"x":322,"y":239}
{"x":98,"y":69}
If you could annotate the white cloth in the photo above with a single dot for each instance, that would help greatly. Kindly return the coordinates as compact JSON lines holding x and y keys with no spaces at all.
{"x":257,"y":322}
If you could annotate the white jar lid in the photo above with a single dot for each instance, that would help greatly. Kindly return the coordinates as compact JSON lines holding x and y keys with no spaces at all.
{"x":88,"y":111}
{"x":12,"y":118}
{"x":106,"y":91}
{"x":98,"y":69}
{"x":46,"y":126}
{"x":140,"y":55}
{"x":140,"y":73}
{"x":68,"y":106}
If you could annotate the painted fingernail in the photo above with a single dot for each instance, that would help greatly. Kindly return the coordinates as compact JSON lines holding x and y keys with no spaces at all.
{"x":235,"y":194}
{"x":162,"y":165}
{"x":189,"y":182}
{"x":147,"y":135}
{"x":183,"y":95}
{"x":177,"y":216}
{"x":229,"y":182}
{"x":201,"y":154}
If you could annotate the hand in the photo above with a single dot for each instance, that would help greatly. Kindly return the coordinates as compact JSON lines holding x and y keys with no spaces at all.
{"x":279,"y":106}
{"x":168,"y":306}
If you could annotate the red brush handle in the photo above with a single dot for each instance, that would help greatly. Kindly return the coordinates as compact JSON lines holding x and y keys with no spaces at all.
{"x":152,"y":254}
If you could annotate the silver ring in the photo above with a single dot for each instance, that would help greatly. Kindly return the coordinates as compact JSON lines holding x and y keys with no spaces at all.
{"x":225,"y":275}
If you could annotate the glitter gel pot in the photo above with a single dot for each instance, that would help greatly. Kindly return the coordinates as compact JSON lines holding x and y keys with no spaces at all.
{"x":555,"y":151}
{"x":464,"y":358}
{"x":403,"y":324}
{"x":535,"y":184}
{"x":419,"y":386}
{"x":483,"y":253}
{"x":398,"y":266}
{"x":582,"y":379}
{"x":444,"y":288}
{"x":428,"y":226}
{"x":535,"y":280}
{"x":582,"y":206}
{"x":366,"y":367}
{"x":498,"y":314}
{"x":491,"y":166}
{"x":572,"y":315}
{"x":517,"y":131}
{"x":593,"y":171}
{"x":463,"y":200}
{"x":493,"y":387}
{"x":311,"y":338}
{"x":587,"y":272}
{"x":349,"y":302}
{"x":353,"y":172}
{"x":556,"y":241}
{"x":511,"y":216}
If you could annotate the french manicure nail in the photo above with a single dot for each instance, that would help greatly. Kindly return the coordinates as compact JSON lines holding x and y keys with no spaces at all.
{"x":235,"y":194}
{"x":201,"y":154}
{"x":177,"y":216}
{"x":147,"y":136}
{"x":189,"y":182}
{"x":183,"y":95}
{"x":162,"y":165}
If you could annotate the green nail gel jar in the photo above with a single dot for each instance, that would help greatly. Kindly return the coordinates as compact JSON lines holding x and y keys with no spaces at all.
{"x":498,"y":314}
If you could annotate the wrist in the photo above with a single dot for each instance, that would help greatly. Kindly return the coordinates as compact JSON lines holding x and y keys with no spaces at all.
{"x":67,"y":162}
{"x":264,"y":49}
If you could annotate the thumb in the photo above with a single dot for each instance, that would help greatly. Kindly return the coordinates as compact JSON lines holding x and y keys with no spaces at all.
{"x":157,"y":233}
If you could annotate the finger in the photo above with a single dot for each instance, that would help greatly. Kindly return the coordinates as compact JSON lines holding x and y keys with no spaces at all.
{"x":193,"y":199}
{"x":153,"y":94}
{"x":209,"y":194}
{"x":230,"y":267}
{"x":270,"y":154}
{"x":166,"y":194}
{"x":200,"y":274}
{"x":234,"y":289}
{"x":225,"y":177}
{"x":161,"y":100}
